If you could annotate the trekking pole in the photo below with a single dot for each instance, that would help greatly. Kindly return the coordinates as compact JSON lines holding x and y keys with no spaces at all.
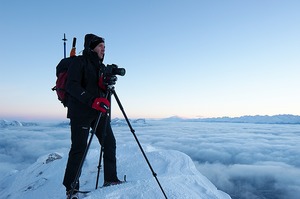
{"x":64,"y":39}
{"x":133,"y":132}
{"x":75,"y":182}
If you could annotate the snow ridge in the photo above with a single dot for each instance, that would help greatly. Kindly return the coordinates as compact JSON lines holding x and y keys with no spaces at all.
{"x":175,"y":171}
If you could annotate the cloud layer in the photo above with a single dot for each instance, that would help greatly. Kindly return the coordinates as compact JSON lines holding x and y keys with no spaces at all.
{"x":245,"y":160}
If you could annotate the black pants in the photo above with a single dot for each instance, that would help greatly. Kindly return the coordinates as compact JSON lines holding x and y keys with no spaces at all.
{"x":79,"y":136}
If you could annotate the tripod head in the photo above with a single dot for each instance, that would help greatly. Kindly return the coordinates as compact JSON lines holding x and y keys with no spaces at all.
{"x":110,"y":80}
{"x":110,"y":88}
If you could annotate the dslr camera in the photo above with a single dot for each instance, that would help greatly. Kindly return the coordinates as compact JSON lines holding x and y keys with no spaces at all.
{"x":113,"y":69}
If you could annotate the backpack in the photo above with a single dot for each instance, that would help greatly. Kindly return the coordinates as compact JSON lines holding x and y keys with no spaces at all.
{"x":62,"y":74}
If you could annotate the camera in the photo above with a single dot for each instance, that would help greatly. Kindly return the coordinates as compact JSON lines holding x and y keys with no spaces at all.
{"x":113,"y":69}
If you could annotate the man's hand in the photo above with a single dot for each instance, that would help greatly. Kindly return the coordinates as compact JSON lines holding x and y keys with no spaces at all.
{"x":101,"y":104}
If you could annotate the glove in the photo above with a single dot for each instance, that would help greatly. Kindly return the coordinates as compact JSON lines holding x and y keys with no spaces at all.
{"x":101,"y":104}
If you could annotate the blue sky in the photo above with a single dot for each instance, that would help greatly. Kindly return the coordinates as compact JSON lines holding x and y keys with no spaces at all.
{"x":186,"y":58}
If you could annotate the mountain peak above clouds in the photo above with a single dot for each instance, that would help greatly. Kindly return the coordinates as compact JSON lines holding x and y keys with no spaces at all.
{"x":15,"y":123}
{"x":175,"y":171}
{"x":256,"y":119}
{"x":6,"y":123}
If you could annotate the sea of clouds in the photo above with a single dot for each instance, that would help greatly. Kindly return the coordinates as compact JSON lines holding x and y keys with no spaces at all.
{"x":246,"y":160}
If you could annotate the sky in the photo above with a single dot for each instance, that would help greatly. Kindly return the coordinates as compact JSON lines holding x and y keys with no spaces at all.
{"x":245,"y":160}
{"x":185,"y":58}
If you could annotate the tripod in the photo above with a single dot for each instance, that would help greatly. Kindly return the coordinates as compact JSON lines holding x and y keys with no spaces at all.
{"x":111,"y":91}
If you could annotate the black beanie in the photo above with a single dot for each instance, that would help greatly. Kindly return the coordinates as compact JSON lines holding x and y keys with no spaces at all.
{"x":91,"y":41}
{"x":95,"y":41}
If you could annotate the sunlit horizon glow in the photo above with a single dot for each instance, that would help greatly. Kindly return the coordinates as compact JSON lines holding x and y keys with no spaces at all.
{"x":195,"y":59}
{"x":59,"y":117}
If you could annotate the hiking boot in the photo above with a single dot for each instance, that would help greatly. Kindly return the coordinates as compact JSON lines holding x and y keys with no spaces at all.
{"x":74,"y":196}
{"x":106,"y":183}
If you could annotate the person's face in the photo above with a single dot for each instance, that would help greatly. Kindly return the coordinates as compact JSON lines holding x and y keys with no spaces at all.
{"x":100,"y":50}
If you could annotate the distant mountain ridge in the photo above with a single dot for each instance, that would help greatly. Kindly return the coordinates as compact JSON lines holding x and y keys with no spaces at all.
{"x":257,"y":119}
{"x":114,"y":122}
{"x":14,"y":123}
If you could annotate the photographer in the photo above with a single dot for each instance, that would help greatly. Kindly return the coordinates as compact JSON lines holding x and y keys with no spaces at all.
{"x":87,"y":98}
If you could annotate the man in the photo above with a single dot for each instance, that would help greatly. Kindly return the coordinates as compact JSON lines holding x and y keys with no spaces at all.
{"x":86,"y":100}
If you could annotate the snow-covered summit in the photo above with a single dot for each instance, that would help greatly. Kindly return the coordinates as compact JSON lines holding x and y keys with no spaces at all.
{"x":254,"y":119}
{"x":6,"y":123}
{"x":258,"y":119}
{"x":15,"y":123}
{"x":122,"y":122}
{"x":175,"y":171}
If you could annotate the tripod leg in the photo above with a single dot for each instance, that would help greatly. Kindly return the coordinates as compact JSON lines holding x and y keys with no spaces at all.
{"x":108,"y":117}
{"x":136,"y":139}
{"x":99,"y":167}
{"x":102,"y":149}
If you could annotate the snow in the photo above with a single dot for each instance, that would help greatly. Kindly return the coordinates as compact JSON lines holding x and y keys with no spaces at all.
{"x":175,"y":171}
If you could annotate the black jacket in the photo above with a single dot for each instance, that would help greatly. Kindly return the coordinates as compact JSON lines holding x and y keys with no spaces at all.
{"x":82,"y":85}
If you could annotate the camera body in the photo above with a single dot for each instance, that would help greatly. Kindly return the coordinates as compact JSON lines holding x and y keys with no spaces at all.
{"x":113,"y":69}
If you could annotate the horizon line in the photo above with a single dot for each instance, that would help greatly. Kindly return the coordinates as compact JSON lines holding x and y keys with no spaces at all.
{"x":18,"y":118}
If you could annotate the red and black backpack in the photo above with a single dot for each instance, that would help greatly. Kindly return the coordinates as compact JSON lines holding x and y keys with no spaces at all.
{"x":62,"y":74}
